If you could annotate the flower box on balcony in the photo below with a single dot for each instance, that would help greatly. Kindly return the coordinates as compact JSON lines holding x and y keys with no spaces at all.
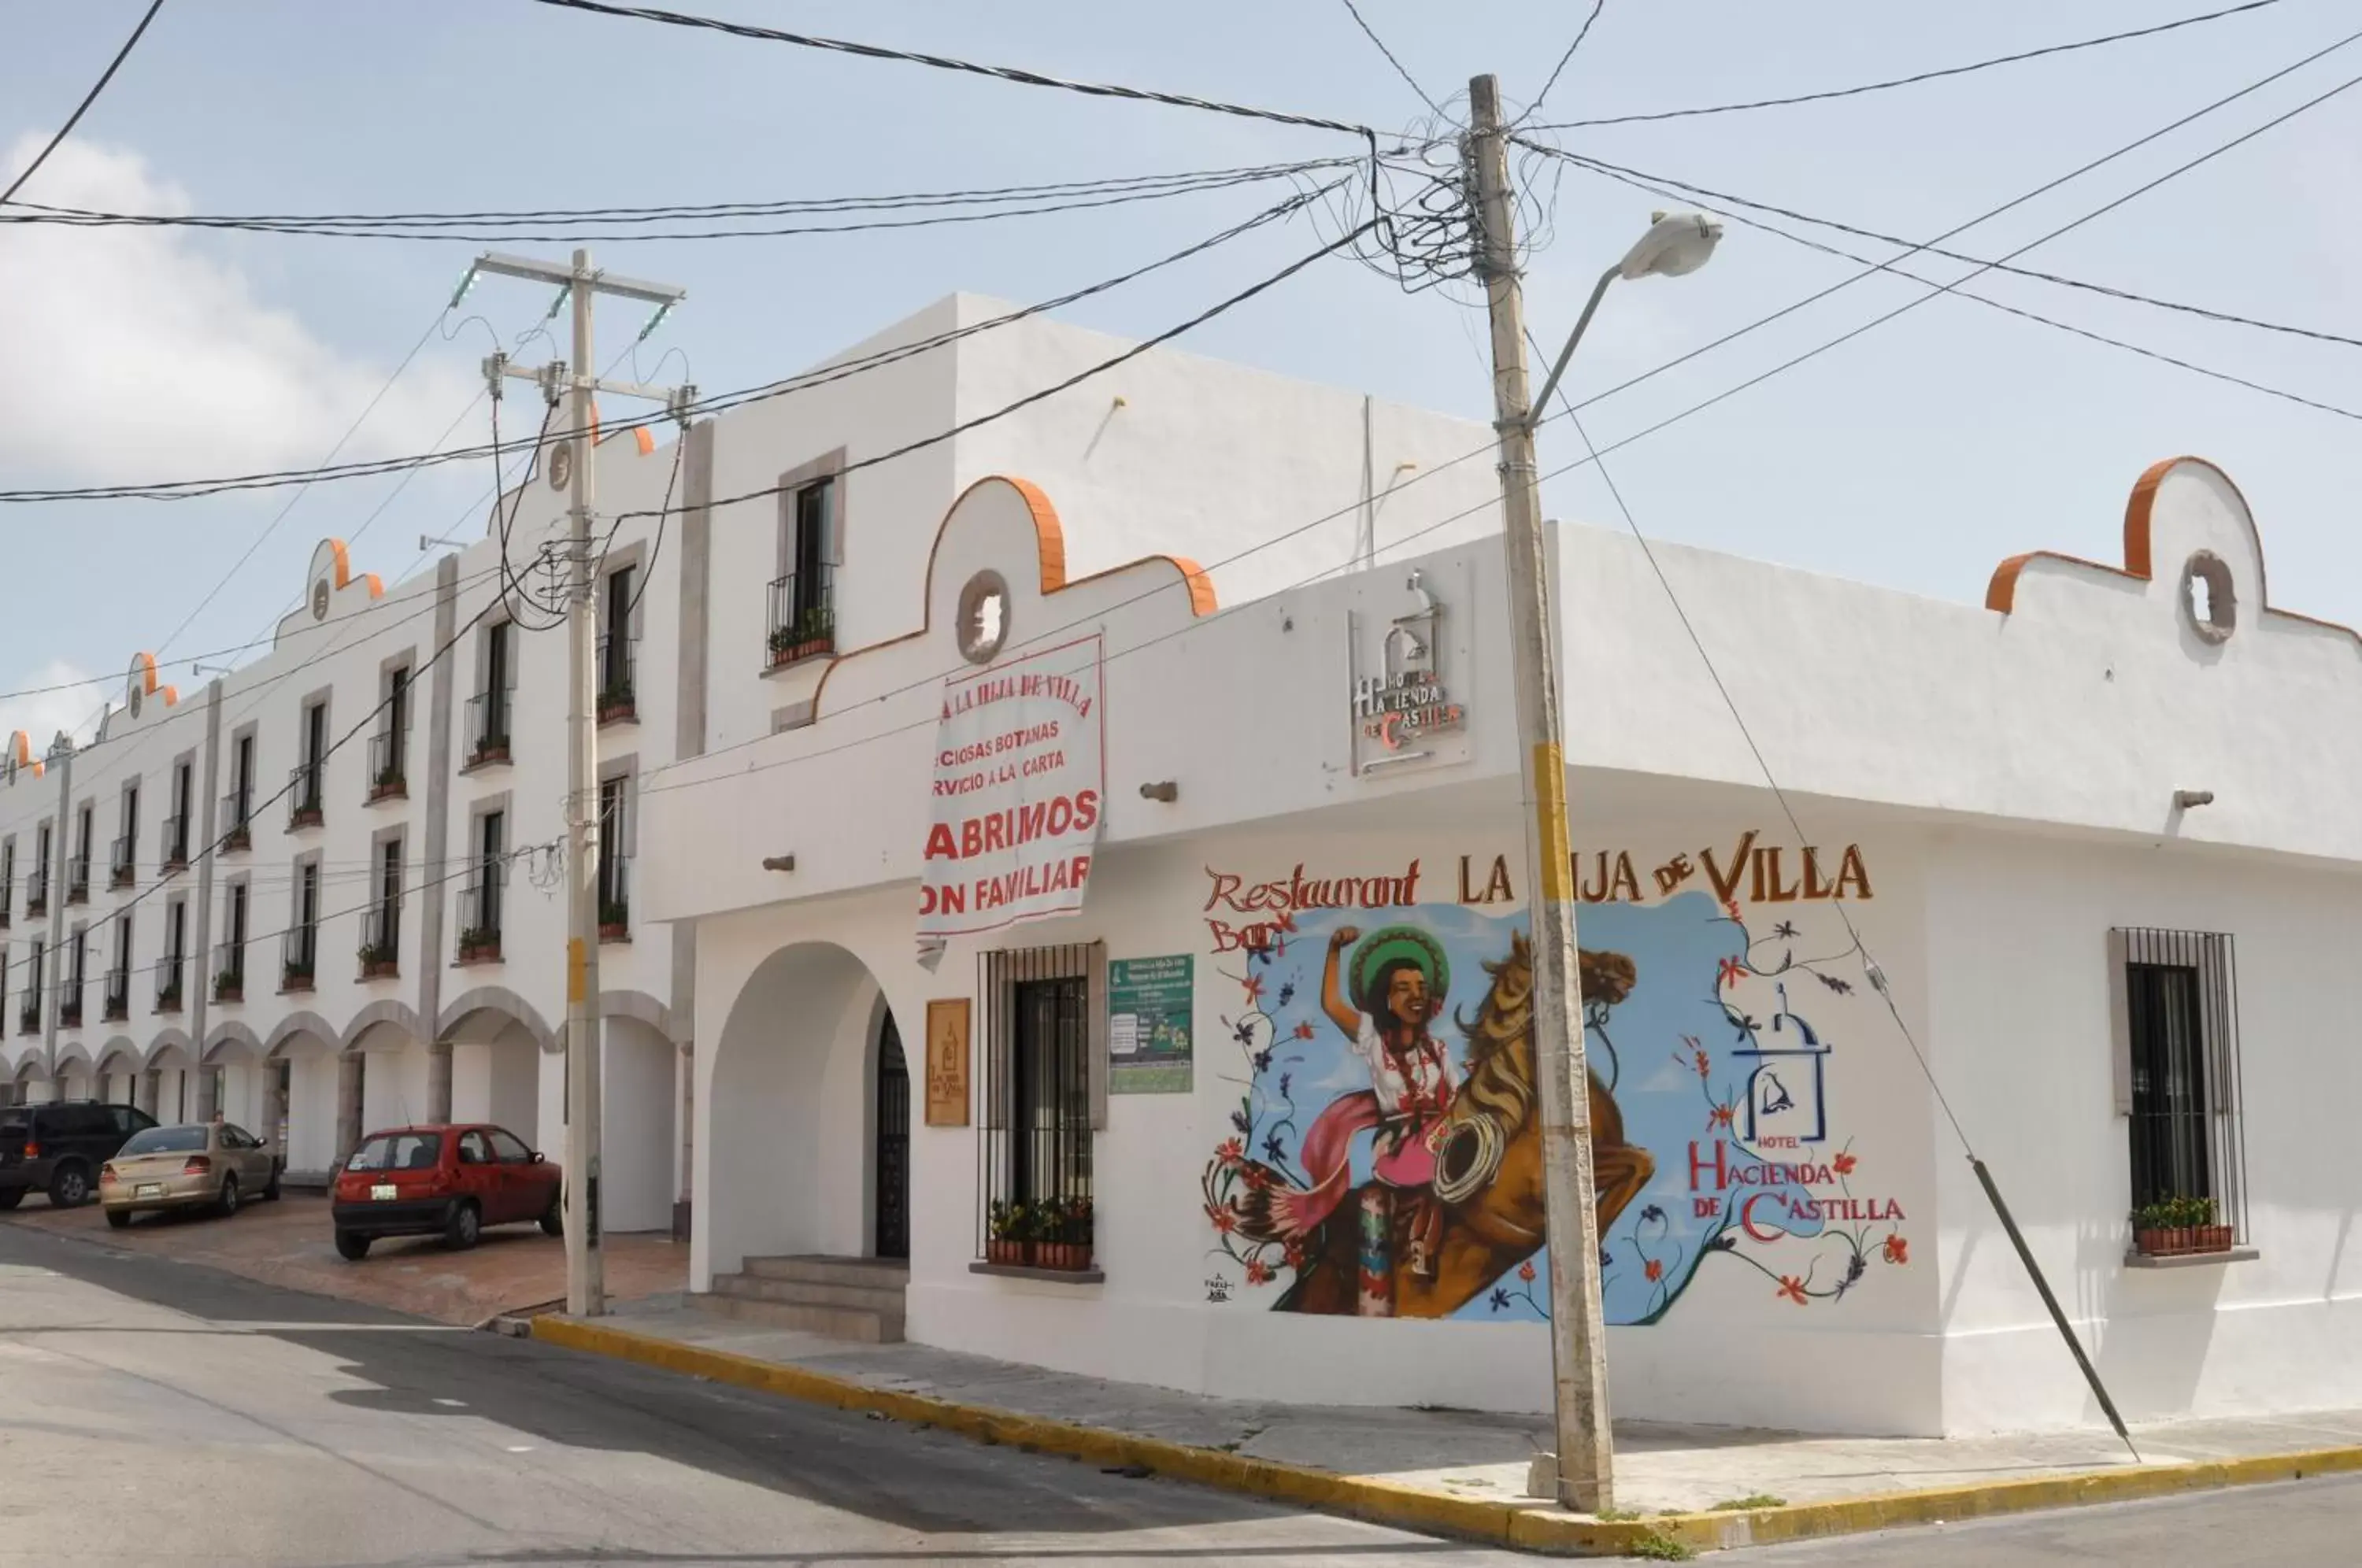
{"x":488,"y":750}
{"x":296,"y":978}
{"x":229,"y":987}
{"x":121,"y":877}
{"x":787,"y":648}
{"x":389,"y":785}
{"x":379,"y":964}
{"x":2178,"y":1227}
{"x":114,"y":1013}
{"x":614,"y":922}
{"x":176,"y":861}
{"x":307,"y":817}
{"x":169,"y":1001}
{"x":70,"y":1017}
{"x":238,"y":837}
{"x":479,"y":946}
{"x":616,"y":706}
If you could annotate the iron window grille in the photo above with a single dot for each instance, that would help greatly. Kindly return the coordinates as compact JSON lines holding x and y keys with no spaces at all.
{"x":169,"y":971}
{"x":488,"y":726}
{"x":299,"y":952}
{"x":118,"y":999}
{"x":2177,"y":1068}
{"x":70,"y":1001}
{"x":388,"y":781}
{"x":480,"y":914}
{"x":36,"y":891}
{"x":78,"y":879}
{"x":121,"y":867}
{"x":381,"y":953}
{"x":176,"y":843}
{"x":617,"y":656}
{"x":229,"y":971}
{"x":305,"y":809}
{"x":1041,"y":1095}
{"x":238,"y":812}
{"x":803,"y":616}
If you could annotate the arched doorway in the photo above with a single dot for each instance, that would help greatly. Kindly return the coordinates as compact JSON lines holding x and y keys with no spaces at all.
{"x":890,"y":1145}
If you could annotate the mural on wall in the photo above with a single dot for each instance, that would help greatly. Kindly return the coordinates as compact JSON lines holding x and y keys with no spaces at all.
{"x":1383,"y":1157}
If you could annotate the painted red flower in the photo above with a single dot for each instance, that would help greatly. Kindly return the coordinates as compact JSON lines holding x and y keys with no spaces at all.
{"x":1231,"y":1152}
{"x":1294,"y":1248}
{"x":1287,"y":921}
{"x":1843,"y":1164}
{"x":1704,"y":1066}
{"x":1731,"y":970}
{"x":1253,"y":983}
{"x":1897,"y":1249}
{"x":1655,"y":1271}
{"x":1719,"y":1117}
{"x":1258,"y":1177}
{"x":1304,"y":1030}
{"x":1224,"y":1218}
{"x":1793,"y":1289}
{"x":1526,"y":1271}
{"x":1258,"y":1272}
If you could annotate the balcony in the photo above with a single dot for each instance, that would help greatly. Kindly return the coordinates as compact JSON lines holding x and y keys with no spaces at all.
{"x":170,"y":972}
{"x":37,"y":894}
{"x":614,"y":897}
{"x":176,"y":843}
{"x":388,"y":780}
{"x":7,"y":897}
{"x":298,"y":954}
{"x":803,"y":619}
{"x":28,"y":1012}
{"x":116,"y":1004}
{"x":488,"y":728}
{"x":617,"y":704}
{"x":305,"y":809}
{"x":381,"y":953}
{"x":238,"y":832}
{"x":480,"y":915}
{"x":229,"y":972}
{"x":78,"y":879}
{"x":122,"y":862}
{"x":69,"y":1006}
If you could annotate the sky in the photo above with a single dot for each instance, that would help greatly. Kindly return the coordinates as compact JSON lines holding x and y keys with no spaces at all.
{"x":1915,"y":456}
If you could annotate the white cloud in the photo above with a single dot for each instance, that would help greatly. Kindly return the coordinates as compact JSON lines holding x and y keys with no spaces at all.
{"x":138,"y":357}
{"x":41,"y":715}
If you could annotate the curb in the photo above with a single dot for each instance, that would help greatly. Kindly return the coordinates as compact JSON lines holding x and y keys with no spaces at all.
{"x":1525,"y":1526}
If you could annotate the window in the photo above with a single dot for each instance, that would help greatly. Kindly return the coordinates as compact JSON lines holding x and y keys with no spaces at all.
{"x":382,"y":921}
{"x":2177,"y":1068}
{"x":239,"y":805}
{"x":615,"y":884}
{"x":1041,"y":1098}
{"x":398,"y":1152}
{"x":176,"y":952}
{"x":121,"y":867}
{"x":306,"y":806}
{"x":804,"y":616}
{"x":474,"y":1150}
{"x":78,"y":871}
{"x":300,"y":948}
{"x":239,"y":1137}
{"x":388,"y":748}
{"x":488,"y":711}
{"x":176,"y":826}
{"x":510,"y":1148}
{"x":616,"y":698}
{"x":479,"y":909}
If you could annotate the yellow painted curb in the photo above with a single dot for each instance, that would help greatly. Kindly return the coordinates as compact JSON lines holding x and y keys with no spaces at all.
{"x":1525,"y":1526}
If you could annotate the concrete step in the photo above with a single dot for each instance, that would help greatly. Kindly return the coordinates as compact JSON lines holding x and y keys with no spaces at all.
{"x":877,"y":1273}
{"x":838,"y":1322}
{"x":884,"y":1300}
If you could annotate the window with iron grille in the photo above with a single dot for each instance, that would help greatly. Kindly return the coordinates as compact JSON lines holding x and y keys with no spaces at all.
{"x":2177,"y":1068}
{"x":1040,"y":1091}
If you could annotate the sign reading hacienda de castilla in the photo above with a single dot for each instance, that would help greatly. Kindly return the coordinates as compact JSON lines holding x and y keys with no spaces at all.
{"x":1018,"y":781}
{"x":1403,"y":711}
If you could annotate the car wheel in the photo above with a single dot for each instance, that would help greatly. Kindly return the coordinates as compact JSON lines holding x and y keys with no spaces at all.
{"x":352,"y":1246}
{"x":10,"y":1196}
{"x":229,"y":1203}
{"x":69,"y":1186}
{"x":119,"y":1217}
{"x":270,"y":1193}
{"x":467,"y":1225}
{"x":553,"y":1218}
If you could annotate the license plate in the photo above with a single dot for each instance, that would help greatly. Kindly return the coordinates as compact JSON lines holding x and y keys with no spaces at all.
{"x":148,"y":1190}
{"x":381,"y":1191}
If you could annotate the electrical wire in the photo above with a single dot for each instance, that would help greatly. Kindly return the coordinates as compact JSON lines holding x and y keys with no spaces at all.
{"x":945,"y":62}
{"x":1557,"y":70}
{"x":1401,"y":69}
{"x":1914,"y":79}
{"x":82,"y":108}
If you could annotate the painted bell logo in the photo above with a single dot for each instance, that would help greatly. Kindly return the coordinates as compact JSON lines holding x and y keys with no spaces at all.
{"x":1398,"y":710}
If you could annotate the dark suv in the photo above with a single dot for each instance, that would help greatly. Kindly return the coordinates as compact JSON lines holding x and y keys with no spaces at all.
{"x":57,"y":1148}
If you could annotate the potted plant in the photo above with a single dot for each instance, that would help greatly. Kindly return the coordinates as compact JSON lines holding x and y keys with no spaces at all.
{"x":229,"y":986}
{"x":294,"y":977}
{"x":614,"y":922}
{"x":307,"y":817}
{"x":1065,"y":1242}
{"x":1009,"y":1232}
{"x":478,"y":945}
{"x":168,"y":1000}
{"x":490,"y":749}
{"x":616,"y":703}
{"x":2175,"y":1227}
{"x":238,"y":837}
{"x":388,"y":783}
{"x":813,"y":632}
{"x":377,"y":960}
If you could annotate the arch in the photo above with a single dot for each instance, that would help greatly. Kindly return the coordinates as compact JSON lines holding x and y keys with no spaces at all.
{"x":124,"y":1046}
{"x":383,"y":1016}
{"x":32,"y":1070}
{"x":641,"y":1006}
{"x":503,"y":1003}
{"x":783,"y":1151}
{"x":172,"y":1039}
{"x":71,"y":1053}
{"x":297,"y":1024}
{"x":232,"y":1042}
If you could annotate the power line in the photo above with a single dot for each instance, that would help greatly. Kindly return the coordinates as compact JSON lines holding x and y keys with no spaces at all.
{"x":1914,"y":79}
{"x":945,"y":62}
{"x":1666,"y":185}
{"x":1556,"y":70}
{"x":83,"y":107}
{"x":1401,"y":69}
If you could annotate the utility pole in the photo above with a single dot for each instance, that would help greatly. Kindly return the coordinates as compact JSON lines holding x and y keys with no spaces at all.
{"x":1578,"y":1332}
{"x":586,"y":1286}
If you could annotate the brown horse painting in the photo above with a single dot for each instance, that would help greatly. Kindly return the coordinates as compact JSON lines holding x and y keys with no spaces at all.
{"x":1488,"y":1171}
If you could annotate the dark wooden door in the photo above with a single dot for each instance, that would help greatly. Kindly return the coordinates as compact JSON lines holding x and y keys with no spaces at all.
{"x":893,"y":1145}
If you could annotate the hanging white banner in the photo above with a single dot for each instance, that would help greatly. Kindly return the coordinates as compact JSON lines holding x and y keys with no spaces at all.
{"x":1019,"y":777}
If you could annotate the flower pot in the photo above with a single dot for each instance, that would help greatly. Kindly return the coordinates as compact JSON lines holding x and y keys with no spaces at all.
{"x":614,"y":930}
{"x":2213,"y":1239}
{"x":1004,"y":1252}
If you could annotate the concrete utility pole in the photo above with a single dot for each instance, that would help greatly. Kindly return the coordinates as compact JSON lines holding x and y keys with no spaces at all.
{"x":1578,"y":1330}
{"x":586,"y":1287}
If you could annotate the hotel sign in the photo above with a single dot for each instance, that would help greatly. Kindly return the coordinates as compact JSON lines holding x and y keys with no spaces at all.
{"x":1403,"y":710}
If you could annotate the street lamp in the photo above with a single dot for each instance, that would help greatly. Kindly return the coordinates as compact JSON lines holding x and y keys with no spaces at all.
{"x":1676,"y":243}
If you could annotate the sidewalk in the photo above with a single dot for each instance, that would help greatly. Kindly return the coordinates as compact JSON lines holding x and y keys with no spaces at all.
{"x":1462,"y":1472}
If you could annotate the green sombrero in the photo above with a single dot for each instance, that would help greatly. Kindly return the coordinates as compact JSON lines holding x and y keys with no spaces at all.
{"x":1398,"y":943}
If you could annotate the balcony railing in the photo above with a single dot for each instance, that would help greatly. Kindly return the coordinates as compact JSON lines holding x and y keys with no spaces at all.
{"x":381,"y":953}
{"x":803,"y":618}
{"x":37,"y":894}
{"x":614,"y":897}
{"x":28,"y":1012}
{"x":78,"y":879}
{"x":237,"y":825}
{"x":171,"y":970}
{"x":305,"y":809}
{"x":7,"y":897}
{"x":116,"y":1003}
{"x":488,"y":727}
{"x":122,"y":864}
{"x":617,"y":659}
{"x":480,"y":915}
{"x":388,"y":781}
{"x":229,"y":972}
{"x":69,"y":1006}
{"x":176,"y":843}
{"x":299,"y":951}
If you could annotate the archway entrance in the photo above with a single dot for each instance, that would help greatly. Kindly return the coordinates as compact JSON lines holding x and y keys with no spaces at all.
{"x":890,"y":1146}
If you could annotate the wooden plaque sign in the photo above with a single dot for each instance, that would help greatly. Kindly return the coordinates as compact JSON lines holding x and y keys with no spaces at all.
{"x":947,"y":1021}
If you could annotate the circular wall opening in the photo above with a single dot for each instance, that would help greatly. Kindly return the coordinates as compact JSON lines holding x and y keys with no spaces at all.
{"x":2208,"y":597}
{"x":983,"y":618}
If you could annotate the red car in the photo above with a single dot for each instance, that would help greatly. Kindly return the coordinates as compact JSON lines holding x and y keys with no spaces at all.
{"x":448,"y":1181}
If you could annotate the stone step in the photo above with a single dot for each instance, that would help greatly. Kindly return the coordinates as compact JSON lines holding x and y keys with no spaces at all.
{"x":869,"y":1328}
{"x":880,"y":1272}
{"x":886,"y":1300}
